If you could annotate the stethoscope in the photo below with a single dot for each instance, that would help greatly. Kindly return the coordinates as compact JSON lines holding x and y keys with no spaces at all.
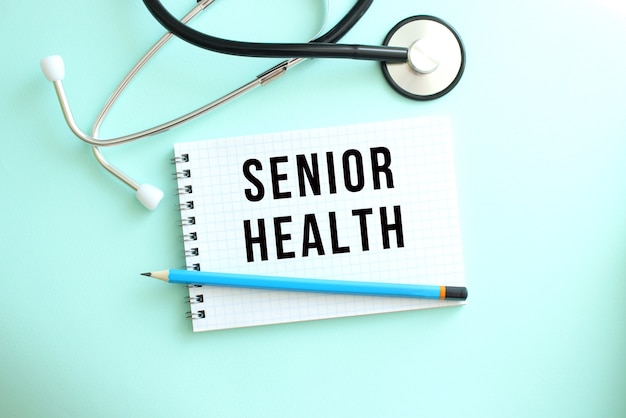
{"x":422,"y":58}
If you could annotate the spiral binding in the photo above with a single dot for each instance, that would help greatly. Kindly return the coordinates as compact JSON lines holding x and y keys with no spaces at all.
{"x":192,"y":252}
{"x":185,"y":174}
{"x":187,"y":205}
{"x":184,"y":190}
{"x":192,"y":236}
{"x":188,"y":221}
{"x":183,"y":158}
{"x":193,"y":300}
{"x":189,"y":236}
{"x":196,"y":315}
{"x":195,"y":266}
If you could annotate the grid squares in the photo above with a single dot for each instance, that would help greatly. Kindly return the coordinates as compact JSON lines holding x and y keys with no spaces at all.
{"x":422,"y":168}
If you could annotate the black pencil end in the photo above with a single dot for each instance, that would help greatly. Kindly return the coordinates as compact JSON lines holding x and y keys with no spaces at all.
{"x":147,"y":274}
{"x":454,"y":292}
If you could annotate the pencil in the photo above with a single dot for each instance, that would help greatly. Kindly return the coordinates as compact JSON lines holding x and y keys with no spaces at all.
{"x":204,"y":278}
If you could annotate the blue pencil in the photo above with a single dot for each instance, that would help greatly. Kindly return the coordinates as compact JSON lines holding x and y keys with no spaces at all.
{"x":204,"y":278}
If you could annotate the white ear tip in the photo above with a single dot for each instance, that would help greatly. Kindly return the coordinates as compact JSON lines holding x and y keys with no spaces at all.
{"x":53,"y":67}
{"x":149,"y":196}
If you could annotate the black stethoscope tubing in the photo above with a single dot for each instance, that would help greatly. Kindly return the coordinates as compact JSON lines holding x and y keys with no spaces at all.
{"x":322,"y":47}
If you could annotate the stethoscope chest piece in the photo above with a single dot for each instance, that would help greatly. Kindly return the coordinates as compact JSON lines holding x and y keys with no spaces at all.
{"x":436,"y":58}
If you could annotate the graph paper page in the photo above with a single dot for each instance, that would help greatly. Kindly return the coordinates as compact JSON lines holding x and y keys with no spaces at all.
{"x":368,"y":202}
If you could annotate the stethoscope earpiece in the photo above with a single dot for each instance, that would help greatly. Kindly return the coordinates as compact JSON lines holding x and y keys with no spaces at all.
{"x":436,"y":58}
{"x":53,"y":67}
{"x":149,"y":196}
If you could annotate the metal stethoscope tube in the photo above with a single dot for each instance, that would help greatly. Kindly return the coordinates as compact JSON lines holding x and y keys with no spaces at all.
{"x":153,"y":196}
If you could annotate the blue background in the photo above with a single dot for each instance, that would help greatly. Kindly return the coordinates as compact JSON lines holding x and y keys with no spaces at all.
{"x":540,"y":148}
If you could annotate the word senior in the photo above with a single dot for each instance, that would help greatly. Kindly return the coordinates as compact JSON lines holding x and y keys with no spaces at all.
{"x":309,"y":173}
{"x":321,"y":233}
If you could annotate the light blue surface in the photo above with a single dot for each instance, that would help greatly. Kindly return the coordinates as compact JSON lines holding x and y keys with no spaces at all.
{"x":540,"y":144}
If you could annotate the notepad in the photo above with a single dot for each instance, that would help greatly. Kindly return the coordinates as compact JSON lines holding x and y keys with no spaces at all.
{"x":366,"y":202}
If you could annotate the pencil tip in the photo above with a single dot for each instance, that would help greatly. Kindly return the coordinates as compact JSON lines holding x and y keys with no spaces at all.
{"x":147,"y":274}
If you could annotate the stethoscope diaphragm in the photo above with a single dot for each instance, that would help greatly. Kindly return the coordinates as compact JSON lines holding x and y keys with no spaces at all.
{"x":436,"y":58}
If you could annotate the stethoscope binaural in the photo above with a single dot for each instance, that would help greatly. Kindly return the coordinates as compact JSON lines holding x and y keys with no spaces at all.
{"x":422,"y":58}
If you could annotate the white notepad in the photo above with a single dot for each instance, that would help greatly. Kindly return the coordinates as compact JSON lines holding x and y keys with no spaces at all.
{"x":368,"y":202}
